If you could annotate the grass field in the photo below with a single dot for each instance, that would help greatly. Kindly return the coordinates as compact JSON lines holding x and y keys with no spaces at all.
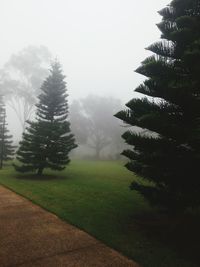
{"x":95,"y":196}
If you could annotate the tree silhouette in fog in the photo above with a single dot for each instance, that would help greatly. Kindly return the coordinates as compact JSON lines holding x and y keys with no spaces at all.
{"x":48,"y":140}
{"x":170,"y":158}
{"x":6,"y":144}
{"x":21,"y":79}
{"x":94,"y":125}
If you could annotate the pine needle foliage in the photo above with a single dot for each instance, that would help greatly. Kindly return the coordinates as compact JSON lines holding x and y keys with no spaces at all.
{"x":169,"y":156}
{"x":7,"y":149}
{"x":48,"y":140}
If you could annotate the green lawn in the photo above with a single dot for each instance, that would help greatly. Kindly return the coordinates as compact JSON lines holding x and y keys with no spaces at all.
{"x":95,"y":196}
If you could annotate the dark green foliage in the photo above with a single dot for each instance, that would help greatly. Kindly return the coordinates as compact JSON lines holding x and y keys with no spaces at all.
{"x":47,"y":141}
{"x":6,"y":148}
{"x":168,"y":156}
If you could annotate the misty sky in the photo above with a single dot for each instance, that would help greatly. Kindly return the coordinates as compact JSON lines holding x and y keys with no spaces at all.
{"x":99,"y":43}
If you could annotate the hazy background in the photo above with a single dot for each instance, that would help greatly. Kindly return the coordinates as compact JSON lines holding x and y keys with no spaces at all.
{"x":99,"y":43}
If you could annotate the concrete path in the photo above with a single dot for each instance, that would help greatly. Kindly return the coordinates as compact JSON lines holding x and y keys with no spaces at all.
{"x":31,"y":236}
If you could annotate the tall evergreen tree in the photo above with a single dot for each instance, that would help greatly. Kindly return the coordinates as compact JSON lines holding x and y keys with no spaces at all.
{"x":6,"y":144}
{"x":47,"y":141}
{"x":169,"y":156}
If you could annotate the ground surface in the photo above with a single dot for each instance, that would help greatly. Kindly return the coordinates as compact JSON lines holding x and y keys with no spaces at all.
{"x":95,"y":197}
{"x":31,"y":236}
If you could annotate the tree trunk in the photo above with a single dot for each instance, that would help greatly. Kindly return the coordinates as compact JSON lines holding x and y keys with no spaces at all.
{"x":2,"y":141}
{"x":40,"y":171}
{"x":97,"y":155}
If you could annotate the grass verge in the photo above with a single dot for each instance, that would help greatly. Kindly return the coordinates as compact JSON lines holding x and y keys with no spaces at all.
{"x":95,"y":196}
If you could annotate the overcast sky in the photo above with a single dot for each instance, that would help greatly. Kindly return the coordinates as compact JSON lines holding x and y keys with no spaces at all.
{"x":98,"y":42}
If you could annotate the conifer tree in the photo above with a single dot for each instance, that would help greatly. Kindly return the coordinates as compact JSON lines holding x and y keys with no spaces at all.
{"x":169,"y":156}
{"x":6,"y":144}
{"x":47,"y":141}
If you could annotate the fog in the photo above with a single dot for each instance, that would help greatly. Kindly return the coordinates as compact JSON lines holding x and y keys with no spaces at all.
{"x":99,"y":43}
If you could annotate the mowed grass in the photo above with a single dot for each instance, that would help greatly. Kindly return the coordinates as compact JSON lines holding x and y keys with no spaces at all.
{"x":95,"y":196}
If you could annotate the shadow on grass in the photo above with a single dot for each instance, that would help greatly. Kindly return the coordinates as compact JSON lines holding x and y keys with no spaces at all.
{"x":181,"y":234}
{"x":35,"y":177}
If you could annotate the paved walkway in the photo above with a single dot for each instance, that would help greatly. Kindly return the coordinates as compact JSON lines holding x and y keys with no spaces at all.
{"x":33,"y":237}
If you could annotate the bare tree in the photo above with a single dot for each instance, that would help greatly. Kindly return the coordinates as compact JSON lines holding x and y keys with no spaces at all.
{"x":94,"y":125}
{"x":21,"y":78}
